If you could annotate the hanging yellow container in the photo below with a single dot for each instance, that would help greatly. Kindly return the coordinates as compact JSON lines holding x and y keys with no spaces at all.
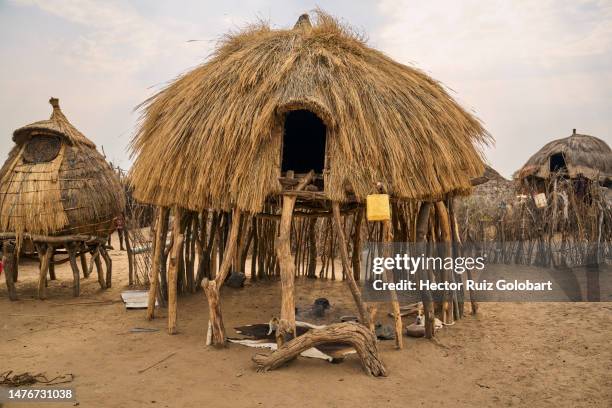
{"x":377,"y":207}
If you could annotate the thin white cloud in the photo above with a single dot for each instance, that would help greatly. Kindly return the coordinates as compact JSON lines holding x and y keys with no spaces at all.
{"x":116,"y":37}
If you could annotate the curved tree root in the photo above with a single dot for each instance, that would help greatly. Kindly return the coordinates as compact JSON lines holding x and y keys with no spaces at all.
{"x":355,"y":334}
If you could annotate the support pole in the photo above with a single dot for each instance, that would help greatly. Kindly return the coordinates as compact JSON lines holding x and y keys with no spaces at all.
{"x":445,"y":238}
{"x":44,"y":252}
{"x":422,"y":225}
{"x":286,"y":326}
{"x":9,"y":262}
{"x":357,"y":244}
{"x":397,"y":315}
{"x":350,"y":279}
{"x":173,"y":269}
{"x":99,"y":268}
{"x":216,"y":330}
{"x":160,"y":243}
{"x":130,"y":254}
{"x":84,"y":267}
{"x":109,"y":266}
{"x":76,"y":284}
{"x":52,"y":266}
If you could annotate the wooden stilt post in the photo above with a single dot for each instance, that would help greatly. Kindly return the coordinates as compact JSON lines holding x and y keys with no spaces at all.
{"x":44,"y":252}
{"x":52,"y":266}
{"x":130,"y":254}
{"x":83,"y":257}
{"x":8,"y":260}
{"x":312,"y":249}
{"x":76,"y":284}
{"x":109,"y":266}
{"x":357,"y":244}
{"x":364,"y":315}
{"x":99,"y":270}
{"x":445,"y":240}
{"x":397,"y":316}
{"x":216,"y":329}
{"x":286,"y":325}
{"x":173,"y":269}
{"x":422,"y":227}
{"x":162,"y":214}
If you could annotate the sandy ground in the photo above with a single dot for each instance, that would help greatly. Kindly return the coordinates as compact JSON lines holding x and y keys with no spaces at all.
{"x":511,"y":354}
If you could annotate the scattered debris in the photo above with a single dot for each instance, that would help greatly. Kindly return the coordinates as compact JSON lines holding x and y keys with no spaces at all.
{"x":154,"y":364}
{"x":19,"y":380}
{"x":143,"y":330}
{"x":136,"y":299}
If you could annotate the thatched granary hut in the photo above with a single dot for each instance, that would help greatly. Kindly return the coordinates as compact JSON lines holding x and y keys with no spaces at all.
{"x":573,"y":157}
{"x":55,"y":188}
{"x":309,"y":118}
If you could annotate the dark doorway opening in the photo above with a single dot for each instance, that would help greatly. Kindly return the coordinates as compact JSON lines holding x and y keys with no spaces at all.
{"x":303,"y":142}
{"x":557,"y":163}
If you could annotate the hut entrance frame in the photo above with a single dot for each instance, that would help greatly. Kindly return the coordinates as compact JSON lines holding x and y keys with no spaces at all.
{"x":557,"y":163}
{"x":304,"y":142}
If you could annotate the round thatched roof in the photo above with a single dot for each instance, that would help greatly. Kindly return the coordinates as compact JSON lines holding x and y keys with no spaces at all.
{"x":582,"y":155}
{"x":213,"y":137}
{"x":55,"y":182}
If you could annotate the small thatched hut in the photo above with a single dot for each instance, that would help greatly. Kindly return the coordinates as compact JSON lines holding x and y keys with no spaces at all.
{"x":573,"y":157}
{"x":56,"y":189}
{"x":309,"y":118}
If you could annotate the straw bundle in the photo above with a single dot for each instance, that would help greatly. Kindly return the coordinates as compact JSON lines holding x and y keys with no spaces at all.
{"x":55,"y":182}
{"x":213,"y":137}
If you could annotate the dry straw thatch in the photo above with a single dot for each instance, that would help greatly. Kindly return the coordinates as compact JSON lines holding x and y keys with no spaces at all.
{"x":213,"y":137}
{"x":583,"y":155}
{"x":56,"y":183}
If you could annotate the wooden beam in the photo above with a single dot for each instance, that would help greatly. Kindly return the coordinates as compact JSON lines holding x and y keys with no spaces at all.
{"x":286,"y":327}
{"x":44,"y":252}
{"x":159,"y":244}
{"x":177,"y":247}
{"x":216,"y":329}
{"x":9,"y":263}
{"x":83,"y":257}
{"x":302,"y":214}
{"x":351,"y":334}
{"x":76,"y":283}
{"x":99,"y":270}
{"x":445,"y":238}
{"x":109,"y":266}
{"x":397,"y":315}
{"x":350,"y":279}
{"x":53,"y":239}
{"x":422,"y":226}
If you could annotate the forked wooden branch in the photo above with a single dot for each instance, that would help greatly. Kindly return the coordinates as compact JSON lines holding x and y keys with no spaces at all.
{"x":355,"y":334}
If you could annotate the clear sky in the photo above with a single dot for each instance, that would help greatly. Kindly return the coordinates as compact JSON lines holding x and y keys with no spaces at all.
{"x":530,"y":70}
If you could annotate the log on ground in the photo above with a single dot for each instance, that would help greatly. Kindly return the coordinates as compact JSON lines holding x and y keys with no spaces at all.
{"x":355,"y":334}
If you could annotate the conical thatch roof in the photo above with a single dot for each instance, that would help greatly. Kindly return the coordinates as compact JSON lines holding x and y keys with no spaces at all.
{"x":213,"y":137}
{"x":583,"y":155}
{"x":55,"y":182}
{"x":57,"y":124}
